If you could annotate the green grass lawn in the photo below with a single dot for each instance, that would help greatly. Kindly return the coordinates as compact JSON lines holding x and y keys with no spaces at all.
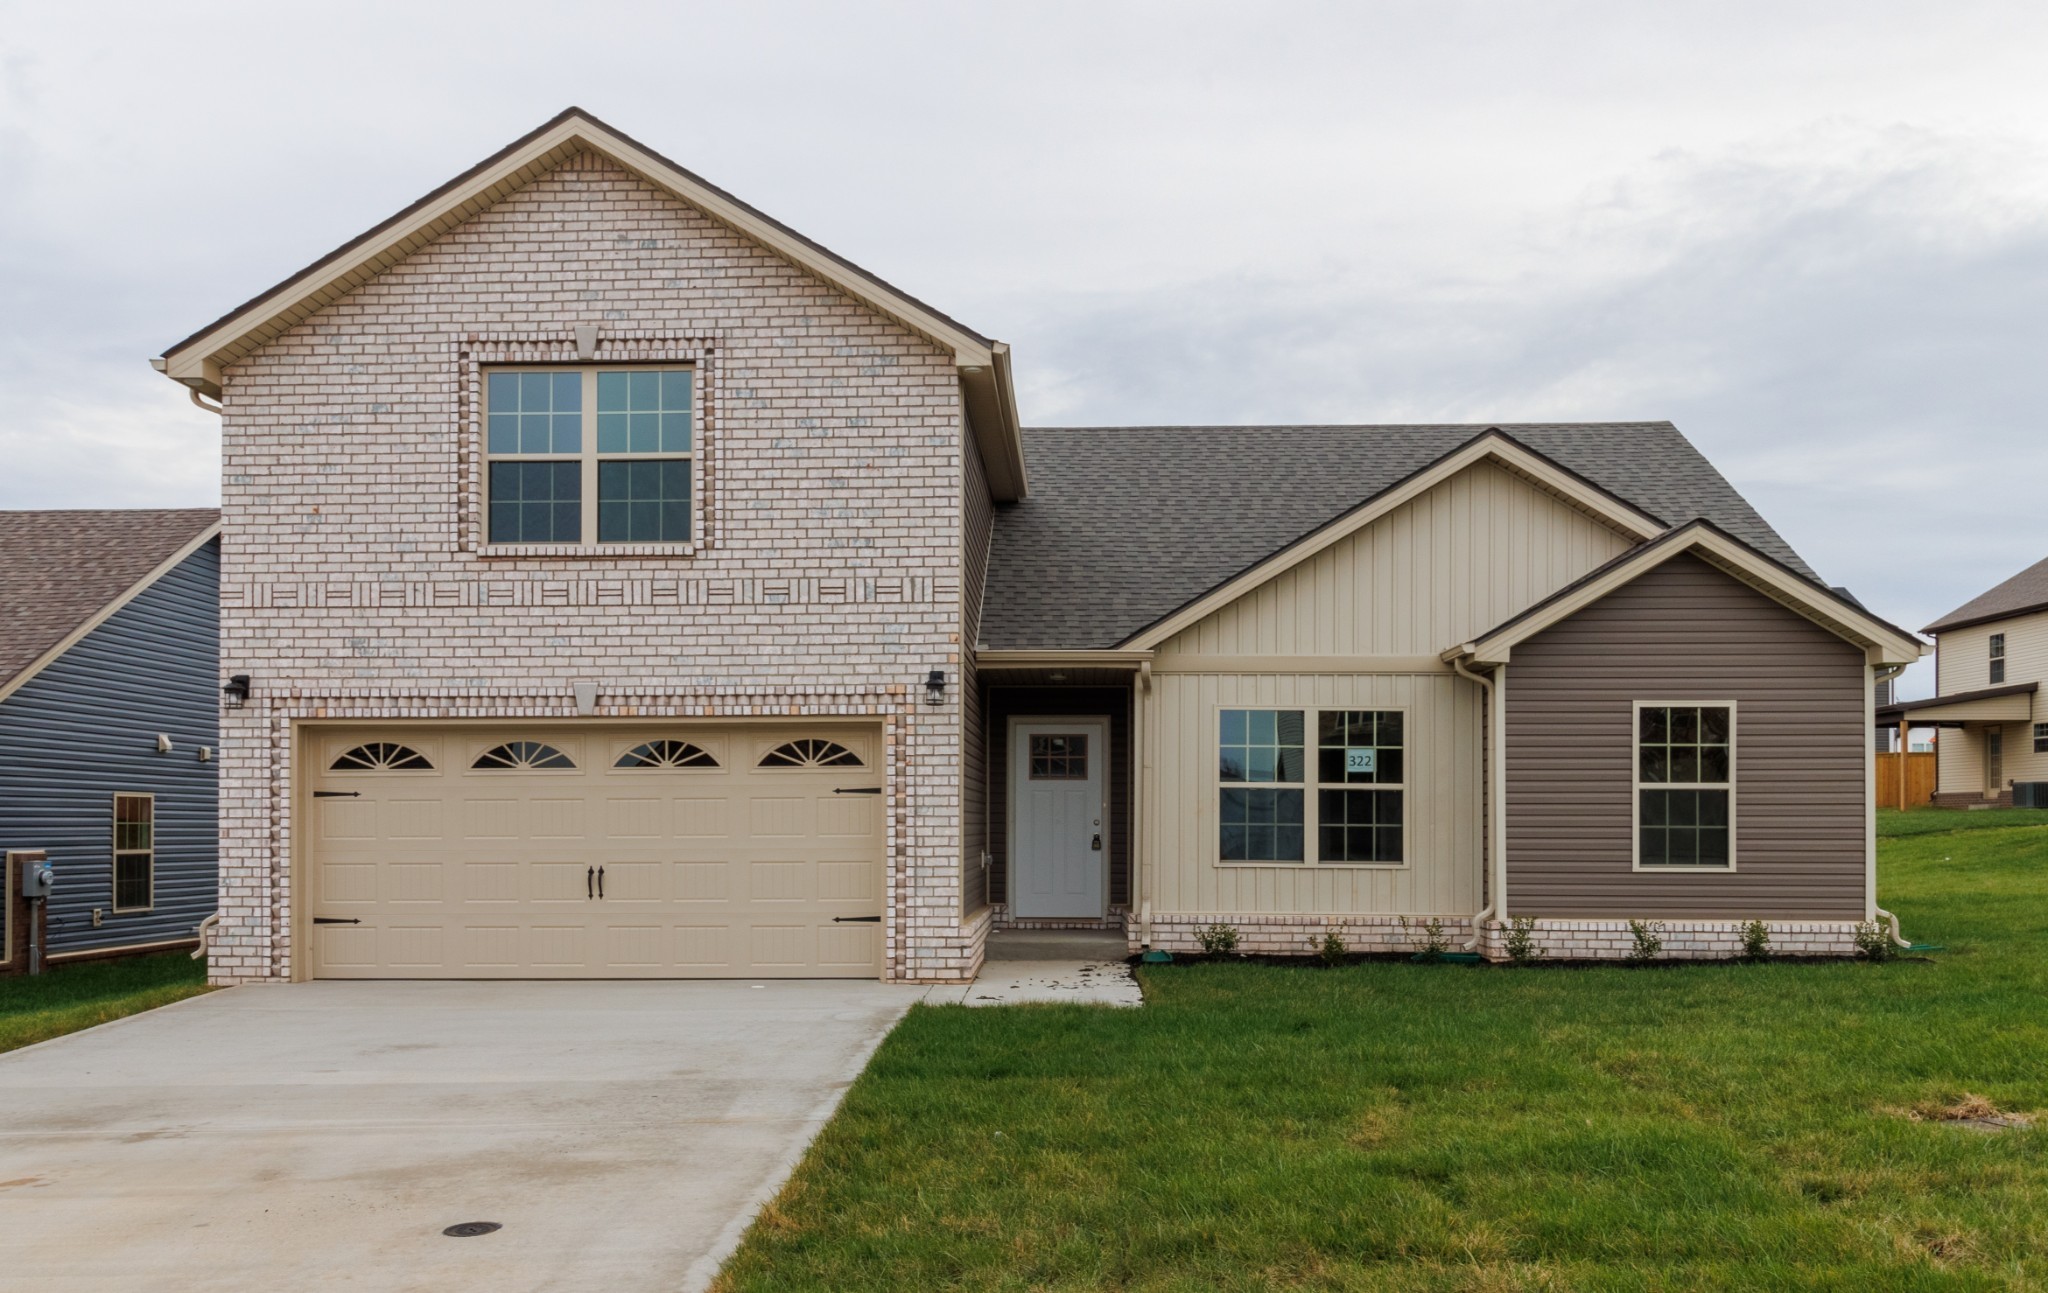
{"x":67,"y":998}
{"x":1395,"y":1126}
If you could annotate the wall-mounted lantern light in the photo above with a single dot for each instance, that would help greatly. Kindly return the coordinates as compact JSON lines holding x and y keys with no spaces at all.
{"x":236,"y":692}
{"x":935,"y":687}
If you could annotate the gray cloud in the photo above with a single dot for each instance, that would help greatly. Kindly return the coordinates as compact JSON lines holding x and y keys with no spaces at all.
{"x":1811,"y":234}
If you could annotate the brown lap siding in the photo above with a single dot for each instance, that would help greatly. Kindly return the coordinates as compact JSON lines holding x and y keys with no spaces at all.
{"x":1002,"y":704}
{"x":1686,"y":631}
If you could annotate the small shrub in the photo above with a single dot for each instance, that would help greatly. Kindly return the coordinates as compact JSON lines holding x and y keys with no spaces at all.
{"x":1434,"y":941}
{"x":1649,"y":936}
{"x":1333,"y":949}
{"x":1874,"y":941}
{"x":1218,"y":939}
{"x":1756,"y":940}
{"x":1522,"y":939}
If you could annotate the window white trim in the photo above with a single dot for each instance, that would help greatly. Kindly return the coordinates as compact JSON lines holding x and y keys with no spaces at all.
{"x":1995,"y":660}
{"x":1636,"y":784}
{"x":1311,"y":823}
{"x":116,"y":853}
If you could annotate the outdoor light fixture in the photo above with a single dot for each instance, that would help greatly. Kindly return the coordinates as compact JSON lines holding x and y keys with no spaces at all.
{"x":935,"y":686}
{"x":236,"y":691}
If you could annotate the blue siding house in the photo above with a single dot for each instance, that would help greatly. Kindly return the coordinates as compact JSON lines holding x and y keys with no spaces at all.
{"x":109,"y":715}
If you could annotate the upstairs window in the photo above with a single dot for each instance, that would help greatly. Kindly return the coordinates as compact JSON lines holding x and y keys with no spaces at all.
{"x":1685,"y":786}
{"x":588,"y":455}
{"x":1997,"y":658}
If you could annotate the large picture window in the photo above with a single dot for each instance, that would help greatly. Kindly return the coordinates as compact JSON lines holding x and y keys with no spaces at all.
{"x":589,"y":455}
{"x":1685,"y":785}
{"x":1268,"y":764}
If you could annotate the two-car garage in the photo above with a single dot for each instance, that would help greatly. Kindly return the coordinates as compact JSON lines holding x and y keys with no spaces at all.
{"x":551,"y":850}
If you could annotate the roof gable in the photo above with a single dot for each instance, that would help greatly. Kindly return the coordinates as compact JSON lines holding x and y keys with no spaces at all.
{"x":2022,"y":594}
{"x":1127,"y":524}
{"x":984,"y":364}
{"x":1885,"y":643}
{"x":63,"y":573}
{"x":1490,"y":446}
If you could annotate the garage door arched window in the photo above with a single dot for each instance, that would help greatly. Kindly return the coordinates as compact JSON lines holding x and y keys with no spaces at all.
{"x":522,"y":756}
{"x":810,"y":752}
{"x":381,"y":756}
{"x":666,"y":754}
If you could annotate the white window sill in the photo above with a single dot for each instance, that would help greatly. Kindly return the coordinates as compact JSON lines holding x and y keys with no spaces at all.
{"x":1314,"y":866}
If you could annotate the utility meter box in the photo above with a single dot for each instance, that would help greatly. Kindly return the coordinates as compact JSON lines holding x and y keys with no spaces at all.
{"x":34,"y":876}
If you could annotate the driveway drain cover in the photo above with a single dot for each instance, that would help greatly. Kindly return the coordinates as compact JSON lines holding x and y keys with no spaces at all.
{"x":464,"y":1230}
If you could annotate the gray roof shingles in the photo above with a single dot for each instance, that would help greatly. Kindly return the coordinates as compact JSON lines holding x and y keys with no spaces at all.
{"x":2024,"y":592}
{"x":1125,"y":524}
{"x":59,"y":569}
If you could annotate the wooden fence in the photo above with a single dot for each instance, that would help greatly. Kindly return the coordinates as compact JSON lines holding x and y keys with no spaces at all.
{"x":1915,"y":789}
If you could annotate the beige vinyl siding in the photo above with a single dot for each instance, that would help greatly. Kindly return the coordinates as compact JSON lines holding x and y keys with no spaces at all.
{"x":1963,"y":663}
{"x":1435,"y":572}
{"x":1686,"y":631}
{"x":1358,"y":626}
{"x":1441,"y":871}
{"x":977,"y":520}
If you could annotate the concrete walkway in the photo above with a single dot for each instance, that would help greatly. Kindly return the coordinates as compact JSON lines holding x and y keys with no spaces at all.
{"x":321,"y":1136}
{"x":1074,"y":967}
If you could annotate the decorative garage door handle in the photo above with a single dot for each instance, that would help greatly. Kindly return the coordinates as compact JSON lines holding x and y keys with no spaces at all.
{"x":600,"y":882}
{"x":336,"y":920}
{"x":856,"y":920}
{"x":858,"y":790}
{"x":337,"y":794}
{"x":588,"y":874}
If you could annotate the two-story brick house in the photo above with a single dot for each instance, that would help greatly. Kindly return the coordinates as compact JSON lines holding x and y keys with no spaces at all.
{"x":1990,"y":660}
{"x":617,"y":583}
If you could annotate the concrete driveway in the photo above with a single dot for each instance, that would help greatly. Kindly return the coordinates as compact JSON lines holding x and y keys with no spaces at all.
{"x":323,"y":1135}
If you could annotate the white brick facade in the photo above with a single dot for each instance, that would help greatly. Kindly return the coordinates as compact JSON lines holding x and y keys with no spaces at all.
{"x":826,"y":578}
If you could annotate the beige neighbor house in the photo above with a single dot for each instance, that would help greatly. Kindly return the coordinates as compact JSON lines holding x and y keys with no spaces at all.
{"x":1990,"y":660}
{"x":617,"y":583}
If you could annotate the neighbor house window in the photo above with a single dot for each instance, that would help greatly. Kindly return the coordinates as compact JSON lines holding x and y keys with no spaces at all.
{"x":592,"y":455}
{"x":1685,"y":785}
{"x":1997,"y":658}
{"x":134,"y":852}
{"x":2041,"y":738}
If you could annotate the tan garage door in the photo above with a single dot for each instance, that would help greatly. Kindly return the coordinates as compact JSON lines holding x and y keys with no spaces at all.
{"x":594,"y":852}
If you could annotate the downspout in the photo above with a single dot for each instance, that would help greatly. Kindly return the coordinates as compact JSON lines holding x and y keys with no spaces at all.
{"x":200,"y":400}
{"x":1492,"y":808}
{"x":1874,"y":913}
{"x":1141,"y":891}
{"x":205,"y":932}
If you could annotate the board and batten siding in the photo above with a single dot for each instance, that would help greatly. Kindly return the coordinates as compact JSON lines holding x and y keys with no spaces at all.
{"x":1359,"y":625}
{"x":1441,"y":875}
{"x":977,"y":517}
{"x":1687,"y":631}
{"x":1436,"y":571}
{"x":86,"y":728}
{"x":1962,"y":662}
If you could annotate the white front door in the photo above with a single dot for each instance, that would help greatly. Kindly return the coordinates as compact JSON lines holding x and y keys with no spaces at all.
{"x":1058,"y":837}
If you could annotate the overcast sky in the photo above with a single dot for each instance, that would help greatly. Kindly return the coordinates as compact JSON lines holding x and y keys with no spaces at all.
{"x":1813,"y":235}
